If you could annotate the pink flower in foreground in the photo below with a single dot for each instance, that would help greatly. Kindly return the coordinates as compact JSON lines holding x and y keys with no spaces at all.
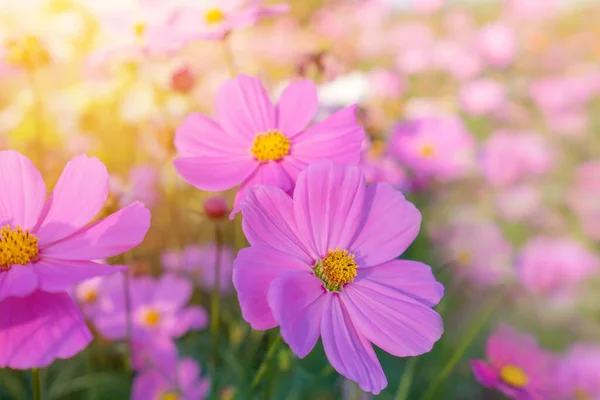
{"x":255,"y":142}
{"x":482,"y":97}
{"x":46,"y":248}
{"x":578,"y":374}
{"x":584,"y":197}
{"x":552,"y":265}
{"x":323,"y":264}
{"x":434,"y":147}
{"x":179,"y":380}
{"x":199,"y":262}
{"x":516,"y":366}
{"x":214,"y":21}
{"x":158,"y":307}
{"x":510,"y":156}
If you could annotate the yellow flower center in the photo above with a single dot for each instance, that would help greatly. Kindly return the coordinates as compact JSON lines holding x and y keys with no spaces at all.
{"x":89,"y":297}
{"x":377,"y":148}
{"x":582,"y":394}
{"x":270,"y":146}
{"x":214,"y":16}
{"x":514,"y":376}
{"x":138,"y":29}
{"x":151,"y":318}
{"x":336,"y":269}
{"x":170,"y":396}
{"x":464,"y":257}
{"x":17,"y":247}
{"x":427,"y":151}
{"x":27,"y":52}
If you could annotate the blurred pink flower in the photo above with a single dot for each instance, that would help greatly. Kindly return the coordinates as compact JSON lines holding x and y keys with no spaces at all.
{"x":216,"y":207}
{"x":213,"y":21}
{"x":578,"y":374}
{"x":569,"y":123}
{"x":557,"y":94}
{"x":414,"y":60}
{"x":255,"y":142}
{"x":173,"y":380}
{"x":386,"y":84}
{"x":457,"y":59}
{"x":434,"y":147}
{"x":509,"y":156}
{"x":554,"y":265}
{"x":87,"y":295}
{"x":427,"y":6}
{"x":323,"y":264}
{"x":584,"y":197}
{"x":158,"y":308}
{"x":199,"y":263}
{"x":516,"y":366}
{"x":519,"y":203}
{"x":497,"y":44}
{"x":532,"y":9}
{"x":479,"y":252}
{"x":482,"y":97}
{"x":384,"y":169}
{"x":141,"y":185}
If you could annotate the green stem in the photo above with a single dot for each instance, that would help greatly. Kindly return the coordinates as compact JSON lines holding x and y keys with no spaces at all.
{"x":216,"y":296}
{"x":36,"y":384}
{"x":262,"y":369}
{"x":406,"y":380}
{"x":460,"y":351}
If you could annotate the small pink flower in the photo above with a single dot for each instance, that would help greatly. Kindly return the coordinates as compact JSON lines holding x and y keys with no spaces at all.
{"x":255,"y":142}
{"x":578,"y":374}
{"x":584,"y":197}
{"x":434,"y":147}
{"x":323,"y":264}
{"x":516,"y":366}
{"x":199,"y":263}
{"x":141,"y":185}
{"x":519,"y":203}
{"x":552,"y":265}
{"x":510,"y":156}
{"x":215,"y":21}
{"x":386,"y":84}
{"x":158,"y":309}
{"x":55,"y":251}
{"x":497,"y":44}
{"x":173,"y":380}
{"x":482,"y":97}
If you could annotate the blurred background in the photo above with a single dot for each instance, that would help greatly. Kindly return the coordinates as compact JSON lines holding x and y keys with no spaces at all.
{"x":485,"y":113}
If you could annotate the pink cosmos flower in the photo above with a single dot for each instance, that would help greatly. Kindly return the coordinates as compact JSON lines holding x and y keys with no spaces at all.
{"x":497,"y":44}
{"x":199,"y":263}
{"x":552,"y":265}
{"x":459,"y":60}
{"x":584,"y":197}
{"x":158,"y":307}
{"x":180,"y":379}
{"x":255,"y":142}
{"x":578,"y":374}
{"x":482,"y":97}
{"x":141,"y":185}
{"x":516,"y":366}
{"x":87,"y":295}
{"x":213,"y":21}
{"x":519,"y":203}
{"x":45,"y":246}
{"x":434,"y":147}
{"x":386,"y":84}
{"x":508,"y":156}
{"x":323,"y":264}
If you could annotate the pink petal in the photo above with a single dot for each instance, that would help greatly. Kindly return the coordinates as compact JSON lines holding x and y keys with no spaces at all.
{"x":484,"y":374}
{"x":253,"y":271}
{"x":273,"y":10}
{"x":269,"y":220}
{"x":348,"y":351}
{"x":172,"y":293}
{"x":22,"y":191}
{"x":391,"y":224}
{"x":192,"y":318}
{"x":115,"y":234}
{"x":37,"y":329}
{"x":297,"y":300}
{"x":199,"y":135}
{"x":297,"y":106}
{"x":61,"y":275}
{"x":337,"y":138}
{"x":270,"y":173}
{"x":18,"y":281}
{"x":328,"y":205}
{"x":386,"y":306}
{"x":216,"y":173}
{"x":244,"y":108}
{"x":78,"y":196}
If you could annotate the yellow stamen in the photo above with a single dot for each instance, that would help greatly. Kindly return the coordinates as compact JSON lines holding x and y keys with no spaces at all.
{"x":336,"y":269}
{"x":214,"y":16}
{"x":138,"y":29}
{"x":514,"y":376}
{"x":427,"y":151}
{"x":90,"y":297}
{"x":151,"y":318}
{"x":377,"y":148}
{"x":582,"y":394}
{"x":17,"y":247}
{"x":27,"y":52}
{"x":170,"y":396}
{"x":270,"y":146}
{"x":464,"y":257}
